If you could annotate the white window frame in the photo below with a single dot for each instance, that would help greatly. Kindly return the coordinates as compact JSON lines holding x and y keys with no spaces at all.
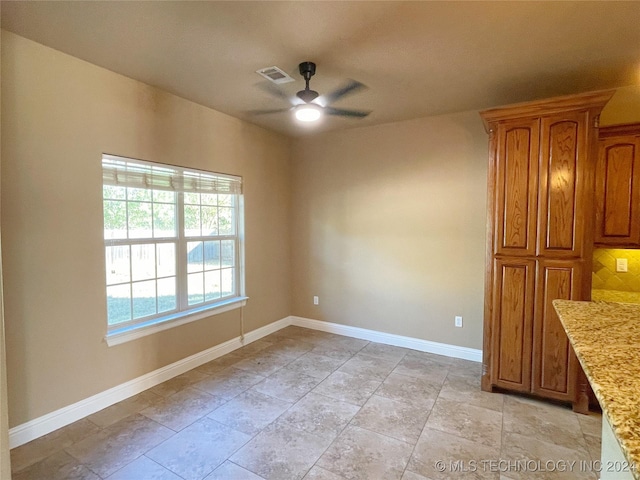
{"x":128,"y":172}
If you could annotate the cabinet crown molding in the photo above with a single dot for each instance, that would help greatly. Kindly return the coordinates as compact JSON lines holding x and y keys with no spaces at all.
{"x":582,"y":101}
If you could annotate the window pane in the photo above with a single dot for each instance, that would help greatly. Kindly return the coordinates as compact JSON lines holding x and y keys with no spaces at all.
{"x":140,"y":194}
{"x":143,"y":261}
{"x":195,"y":288}
{"x":211,"y":255}
{"x":228,"y":253}
{"x":226,"y":221}
{"x":209,"y":221}
{"x":192,"y":198}
{"x":139,"y":220}
{"x":164,"y":220}
{"x":164,"y":196}
{"x":225,"y":200}
{"x":114,"y":193}
{"x":227,"y":281}
{"x":194,"y":257}
{"x":167,"y":294}
{"x":144,"y":298}
{"x":117,"y":259}
{"x":211,"y":285}
{"x":115,"y":219}
{"x":165,"y":259}
{"x":118,"y":304}
{"x":192,"y":220}
{"x":209,"y":199}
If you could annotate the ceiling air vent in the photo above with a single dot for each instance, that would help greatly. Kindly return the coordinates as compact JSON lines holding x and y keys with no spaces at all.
{"x":275,"y":75}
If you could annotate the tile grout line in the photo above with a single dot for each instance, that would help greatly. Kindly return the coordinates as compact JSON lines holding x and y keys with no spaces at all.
{"x":350,"y":423}
{"x":356,"y":414}
{"x":293,"y":405}
{"x":413,"y":450}
{"x":344,"y":428}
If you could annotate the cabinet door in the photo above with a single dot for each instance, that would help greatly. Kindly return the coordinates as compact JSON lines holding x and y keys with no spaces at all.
{"x":554,"y":363}
{"x":513,"y":296}
{"x":517,"y":147}
{"x":618,"y":191}
{"x":563,"y":170}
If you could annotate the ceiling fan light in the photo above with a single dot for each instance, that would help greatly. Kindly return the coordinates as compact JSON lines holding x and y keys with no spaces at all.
{"x":308,"y":112}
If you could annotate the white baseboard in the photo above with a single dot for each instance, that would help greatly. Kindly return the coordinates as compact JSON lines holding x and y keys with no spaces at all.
{"x":40,"y":426}
{"x":37,"y":427}
{"x":390,"y":339}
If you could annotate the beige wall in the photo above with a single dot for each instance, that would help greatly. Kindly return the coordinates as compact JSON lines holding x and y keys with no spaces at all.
{"x":624,"y":107}
{"x":5,"y":461}
{"x":59,"y":115}
{"x":389,"y":227}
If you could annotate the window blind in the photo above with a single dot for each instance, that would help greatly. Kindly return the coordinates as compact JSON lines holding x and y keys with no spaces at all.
{"x":140,"y":174}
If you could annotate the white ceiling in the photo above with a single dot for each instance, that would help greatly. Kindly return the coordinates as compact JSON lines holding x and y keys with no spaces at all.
{"x":417,"y":58}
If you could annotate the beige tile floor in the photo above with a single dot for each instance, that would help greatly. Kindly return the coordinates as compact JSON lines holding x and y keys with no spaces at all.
{"x":307,"y":404}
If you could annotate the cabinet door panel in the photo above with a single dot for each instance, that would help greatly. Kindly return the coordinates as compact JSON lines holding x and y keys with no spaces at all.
{"x":554,"y":363}
{"x":562,"y":172}
{"x":618,"y":191}
{"x":512,"y":323}
{"x":516,"y":178}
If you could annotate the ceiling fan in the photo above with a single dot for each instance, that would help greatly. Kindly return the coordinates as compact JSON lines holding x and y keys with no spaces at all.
{"x":313,"y":104}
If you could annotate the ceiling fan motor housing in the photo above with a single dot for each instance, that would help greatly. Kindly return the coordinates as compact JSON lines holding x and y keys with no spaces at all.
{"x":307,"y":70}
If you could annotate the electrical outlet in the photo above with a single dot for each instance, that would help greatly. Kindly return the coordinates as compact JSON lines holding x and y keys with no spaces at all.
{"x":621,"y":265}
{"x":458,"y":321}
{"x":316,"y":300}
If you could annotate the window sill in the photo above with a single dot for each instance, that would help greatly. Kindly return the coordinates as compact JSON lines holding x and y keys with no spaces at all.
{"x":133,"y":332}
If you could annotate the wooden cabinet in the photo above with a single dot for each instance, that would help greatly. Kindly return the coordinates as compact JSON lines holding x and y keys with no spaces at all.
{"x":540,"y":239}
{"x":554,"y":362}
{"x":564,"y":165}
{"x":517,"y":173}
{"x":513,"y":297}
{"x":618,"y":186}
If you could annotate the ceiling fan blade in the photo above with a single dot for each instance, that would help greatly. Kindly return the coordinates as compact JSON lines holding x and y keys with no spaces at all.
{"x":268,"y":111}
{"x":350,"y":87}
{"x":340,"y":112}
{"x":274,"y":91}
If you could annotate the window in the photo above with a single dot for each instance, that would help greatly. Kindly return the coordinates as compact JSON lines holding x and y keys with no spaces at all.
{"x":173,"y":246}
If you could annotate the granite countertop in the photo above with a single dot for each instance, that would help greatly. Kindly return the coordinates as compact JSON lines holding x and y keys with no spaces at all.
{"x":606,"y":339}
{"x":615,"y":296}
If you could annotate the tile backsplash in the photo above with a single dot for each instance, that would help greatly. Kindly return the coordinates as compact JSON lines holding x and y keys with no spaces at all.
{"x":604,"y":275}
